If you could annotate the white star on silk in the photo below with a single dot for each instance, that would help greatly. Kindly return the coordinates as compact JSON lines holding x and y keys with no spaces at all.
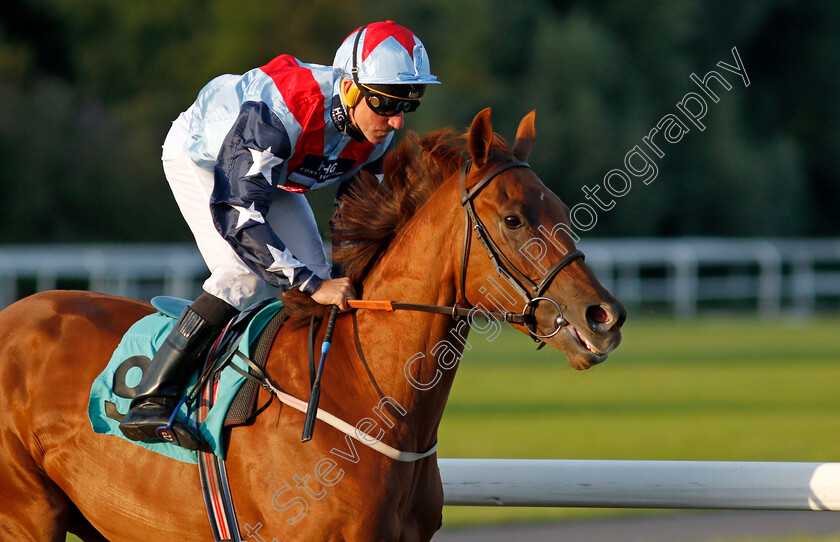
{"x":250,"y":213}
{"x":283,"y":262}
{"x":264,"y":161}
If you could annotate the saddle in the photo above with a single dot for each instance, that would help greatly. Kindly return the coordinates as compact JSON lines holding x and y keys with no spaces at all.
{"x":235,"y":394}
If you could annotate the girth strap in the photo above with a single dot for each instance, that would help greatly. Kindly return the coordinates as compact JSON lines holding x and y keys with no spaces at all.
{"x":213,"y":473}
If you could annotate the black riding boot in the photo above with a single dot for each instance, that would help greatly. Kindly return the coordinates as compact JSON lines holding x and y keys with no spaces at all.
{"x":163,"y":383}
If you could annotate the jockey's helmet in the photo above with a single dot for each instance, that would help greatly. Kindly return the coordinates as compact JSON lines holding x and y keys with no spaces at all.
{"x":388,"y":65}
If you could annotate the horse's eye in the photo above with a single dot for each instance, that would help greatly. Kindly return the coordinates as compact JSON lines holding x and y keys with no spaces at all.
{"x":512,"y":221}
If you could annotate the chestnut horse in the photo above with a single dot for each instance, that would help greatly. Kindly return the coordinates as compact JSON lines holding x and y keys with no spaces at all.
{"x":393,"y":370}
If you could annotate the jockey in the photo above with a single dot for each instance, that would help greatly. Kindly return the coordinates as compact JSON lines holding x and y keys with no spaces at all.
{"x":239,"y":161}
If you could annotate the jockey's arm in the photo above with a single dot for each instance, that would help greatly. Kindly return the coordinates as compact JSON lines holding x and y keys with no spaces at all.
{"x":250,"y":160}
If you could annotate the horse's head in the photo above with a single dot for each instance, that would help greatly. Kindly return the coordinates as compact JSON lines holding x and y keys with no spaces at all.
{"x":511,"y":216}
{"x":527,"y":231}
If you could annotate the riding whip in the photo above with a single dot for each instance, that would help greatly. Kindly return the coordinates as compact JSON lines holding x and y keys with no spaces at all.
{"x":315,"y":395}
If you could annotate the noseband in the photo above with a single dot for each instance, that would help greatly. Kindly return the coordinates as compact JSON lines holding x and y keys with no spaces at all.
{"x":531,"y":291}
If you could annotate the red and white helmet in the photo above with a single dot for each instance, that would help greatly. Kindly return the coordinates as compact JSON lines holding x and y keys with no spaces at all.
{"x":386,"y":54}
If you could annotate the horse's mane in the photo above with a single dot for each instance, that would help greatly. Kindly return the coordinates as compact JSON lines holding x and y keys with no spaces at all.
{"x":371,"y":214}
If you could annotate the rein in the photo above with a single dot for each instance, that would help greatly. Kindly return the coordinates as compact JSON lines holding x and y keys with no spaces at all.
{"x":454,"y":311}
{"x":531,"y":291}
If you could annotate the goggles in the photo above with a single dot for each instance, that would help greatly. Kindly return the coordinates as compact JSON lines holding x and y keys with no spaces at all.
{"x":387,"y":105}
{"x":379,"y":102}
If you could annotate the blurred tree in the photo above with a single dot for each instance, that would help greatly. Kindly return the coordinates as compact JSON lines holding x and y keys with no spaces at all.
{"x":90,"y":88}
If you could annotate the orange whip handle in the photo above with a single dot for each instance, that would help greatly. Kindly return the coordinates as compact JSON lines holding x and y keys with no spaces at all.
{"x":371,"y":305}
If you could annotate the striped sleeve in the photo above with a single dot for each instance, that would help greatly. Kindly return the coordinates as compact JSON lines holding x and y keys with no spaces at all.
{"x":252,"y":158}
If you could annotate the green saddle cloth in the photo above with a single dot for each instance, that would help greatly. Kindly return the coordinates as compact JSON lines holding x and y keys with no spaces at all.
{"x":112,"y":390}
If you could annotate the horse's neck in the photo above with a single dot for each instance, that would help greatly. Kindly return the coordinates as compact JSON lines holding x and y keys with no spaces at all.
{"x":421,"y":266}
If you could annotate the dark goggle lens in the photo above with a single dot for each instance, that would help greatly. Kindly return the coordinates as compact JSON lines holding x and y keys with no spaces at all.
{"x":388,"y":107}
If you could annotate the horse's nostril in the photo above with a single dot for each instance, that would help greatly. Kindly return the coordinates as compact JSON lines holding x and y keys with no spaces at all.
{"x":597,"y":315}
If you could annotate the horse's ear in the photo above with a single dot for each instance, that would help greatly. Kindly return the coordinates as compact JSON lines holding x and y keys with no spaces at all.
{"x":481,"y":138}
{"x":526,"y":137}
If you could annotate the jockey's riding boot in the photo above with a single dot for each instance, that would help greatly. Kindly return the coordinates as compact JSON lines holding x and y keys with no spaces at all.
{"x":163,"y":383}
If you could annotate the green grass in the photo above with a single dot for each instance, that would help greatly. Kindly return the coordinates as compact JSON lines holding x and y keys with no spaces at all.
{"x":716,"y":389}
{"x":708,"y":389}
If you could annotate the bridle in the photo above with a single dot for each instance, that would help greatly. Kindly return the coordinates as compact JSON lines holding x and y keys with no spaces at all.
{"x":531,"y":291}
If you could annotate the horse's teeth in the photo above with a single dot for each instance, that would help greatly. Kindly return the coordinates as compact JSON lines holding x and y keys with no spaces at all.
{"x":586,"y":343}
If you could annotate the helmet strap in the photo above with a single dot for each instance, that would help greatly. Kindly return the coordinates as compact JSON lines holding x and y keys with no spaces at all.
{"x":356,"y":134}
{"x":354,"y":95}
{"x":355,"y":69}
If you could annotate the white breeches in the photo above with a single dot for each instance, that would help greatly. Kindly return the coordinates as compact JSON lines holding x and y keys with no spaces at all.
{"x":289,"y":216}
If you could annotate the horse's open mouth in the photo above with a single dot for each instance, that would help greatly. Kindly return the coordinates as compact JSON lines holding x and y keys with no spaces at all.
{"x":583,"y":340}
{"x":592,"y":355}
